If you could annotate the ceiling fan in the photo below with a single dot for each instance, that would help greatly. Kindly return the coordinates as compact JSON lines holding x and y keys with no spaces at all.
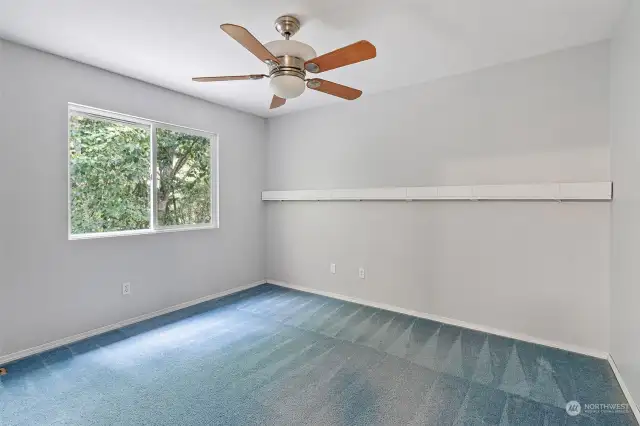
{"x":289,"y":60}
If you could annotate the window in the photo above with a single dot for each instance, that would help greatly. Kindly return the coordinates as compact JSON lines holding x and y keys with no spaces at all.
{"x":129,"y":175}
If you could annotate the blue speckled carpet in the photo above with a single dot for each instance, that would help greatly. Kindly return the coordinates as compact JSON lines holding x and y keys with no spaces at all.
{"x":271,"y":356}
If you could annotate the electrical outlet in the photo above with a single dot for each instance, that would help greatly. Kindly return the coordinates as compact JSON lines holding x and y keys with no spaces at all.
{"x":126,"y":289}
{"x":333,"y":268}
{"x":361,"y":273}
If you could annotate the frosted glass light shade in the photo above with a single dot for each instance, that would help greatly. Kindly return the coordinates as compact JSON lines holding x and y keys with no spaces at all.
{"x":287,"y":86}
{"x":291,"y":48}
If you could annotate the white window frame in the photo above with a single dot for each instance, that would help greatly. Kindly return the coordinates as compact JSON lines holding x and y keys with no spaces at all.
{"x":77,"y":109}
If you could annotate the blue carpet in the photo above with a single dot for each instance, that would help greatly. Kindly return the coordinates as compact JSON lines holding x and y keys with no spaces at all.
{"x":270,"y":356}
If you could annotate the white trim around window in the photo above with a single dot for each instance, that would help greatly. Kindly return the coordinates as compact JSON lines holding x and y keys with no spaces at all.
{"x":152,"y":125}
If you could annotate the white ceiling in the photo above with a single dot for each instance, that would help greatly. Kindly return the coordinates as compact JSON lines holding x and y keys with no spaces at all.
{"x":166,"y":42}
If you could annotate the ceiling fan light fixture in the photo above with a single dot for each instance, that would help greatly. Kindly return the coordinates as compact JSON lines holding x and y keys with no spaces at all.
{"x":287,"y":86}
{"x":290,"y":60}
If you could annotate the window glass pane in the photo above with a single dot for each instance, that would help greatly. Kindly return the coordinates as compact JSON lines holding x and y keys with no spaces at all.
{"x":109,"y":172}
{"x":183,"y":170}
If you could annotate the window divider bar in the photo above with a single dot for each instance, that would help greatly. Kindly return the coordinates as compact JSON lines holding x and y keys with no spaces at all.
{"x":154,"y":178}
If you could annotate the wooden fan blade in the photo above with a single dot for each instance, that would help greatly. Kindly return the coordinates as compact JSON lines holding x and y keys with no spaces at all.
{"x":334,"y":89}
{"x":277,"y":102}
{"x":246,"y":39}
{"x":354,"y":53}
{"x":230,"y":78}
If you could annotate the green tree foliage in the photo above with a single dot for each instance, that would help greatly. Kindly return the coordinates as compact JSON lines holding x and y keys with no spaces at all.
{"x":184,"y":177}
{"x":110,"y":171}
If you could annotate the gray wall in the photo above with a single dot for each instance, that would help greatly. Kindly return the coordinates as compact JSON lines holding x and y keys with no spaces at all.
{"x":541,"y":269}
{"x":53,"y":288}
{"x":625,"y":167}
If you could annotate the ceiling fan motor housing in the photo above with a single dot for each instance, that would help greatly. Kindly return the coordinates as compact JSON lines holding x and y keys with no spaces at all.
{"x":287,"y":77}
{"x":289,"y":65}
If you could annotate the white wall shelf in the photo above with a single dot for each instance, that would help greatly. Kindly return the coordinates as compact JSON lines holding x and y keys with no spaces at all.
{"x":583,"y":191}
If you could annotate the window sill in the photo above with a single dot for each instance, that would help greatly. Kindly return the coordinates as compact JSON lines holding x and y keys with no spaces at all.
{"x":141,"y":232}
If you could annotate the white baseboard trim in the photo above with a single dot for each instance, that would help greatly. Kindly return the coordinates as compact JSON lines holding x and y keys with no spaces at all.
{"x":478,"y":327}
{"x":5,"y":359}
{"x":625,"y":389}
